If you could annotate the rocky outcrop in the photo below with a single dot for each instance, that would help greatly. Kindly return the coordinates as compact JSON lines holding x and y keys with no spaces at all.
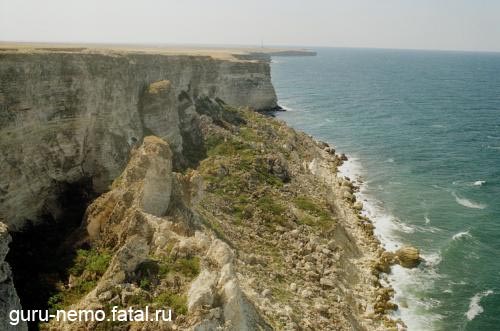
{"x":138,"y":221}
{"x":146,"y":184}
{"x":218,"y":289}
{"x":68,"y":116}
{"x":9,"y":300}
{"x":408,"y":257}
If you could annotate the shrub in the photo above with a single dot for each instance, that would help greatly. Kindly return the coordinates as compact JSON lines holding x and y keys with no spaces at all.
{"x":322,"y":215}
{"x":188,"y":267}
{"x":92,"y":260}
{"x":176,"y":302}
{"x":87,"y":263}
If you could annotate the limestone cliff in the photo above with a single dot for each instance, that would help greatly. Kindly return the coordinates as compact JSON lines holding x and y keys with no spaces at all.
{"x":195,"y":202}
{"x":8,"y":297}
{"x":261,"y":235}
{"x":69,"y":116}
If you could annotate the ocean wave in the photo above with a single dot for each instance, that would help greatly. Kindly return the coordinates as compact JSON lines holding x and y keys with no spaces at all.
{"x":286,"y":107}
{"x":461,"y":235}
{"x":432,"y":259}
{"x":431,"y":229}
{"x":388,"y":229}
{"x":352,"y":169}
{"x":468,"y":203}
{"x":404,"y":227}
{"x":474,"y":305}
{"x":438,"y":187}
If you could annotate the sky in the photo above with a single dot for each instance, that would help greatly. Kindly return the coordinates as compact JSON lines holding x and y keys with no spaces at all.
{"x":415,"y":24}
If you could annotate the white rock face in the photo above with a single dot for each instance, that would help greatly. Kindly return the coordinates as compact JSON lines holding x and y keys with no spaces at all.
{"x":65,"y":117}
{"x":220,"y":253}
{"x":8,"y":297}
{"x":157,"y":187}
{"x":201,"y":292}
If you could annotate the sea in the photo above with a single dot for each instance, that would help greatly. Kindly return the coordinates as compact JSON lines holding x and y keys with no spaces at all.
{"x":421,"y":130}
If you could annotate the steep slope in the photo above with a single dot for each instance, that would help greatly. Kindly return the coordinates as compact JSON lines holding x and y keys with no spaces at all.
{"x":261,"y":235}
{"x":67,"y":116}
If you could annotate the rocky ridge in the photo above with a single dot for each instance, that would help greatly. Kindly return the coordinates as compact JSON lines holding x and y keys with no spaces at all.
{"x":270,"y":235}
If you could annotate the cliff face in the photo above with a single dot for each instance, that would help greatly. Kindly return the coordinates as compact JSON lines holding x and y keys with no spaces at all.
{"x":9,"y":299}
{"x":230,"y":218}
{"x":261,"y":235}
{"x":70,"y":117}
{"x":146,"y":221}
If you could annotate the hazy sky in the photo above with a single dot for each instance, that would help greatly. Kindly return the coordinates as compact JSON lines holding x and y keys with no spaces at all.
{"x":432,"y":24}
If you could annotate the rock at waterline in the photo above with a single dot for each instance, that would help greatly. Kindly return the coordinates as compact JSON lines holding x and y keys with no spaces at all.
{"x":408,"y":257}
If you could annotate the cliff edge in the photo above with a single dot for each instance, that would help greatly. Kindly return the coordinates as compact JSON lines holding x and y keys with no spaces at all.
{"x":71,"y":116}
{"x":135,"y":179}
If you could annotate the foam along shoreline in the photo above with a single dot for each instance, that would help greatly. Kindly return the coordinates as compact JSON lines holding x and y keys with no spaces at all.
{"x":411,"y":309}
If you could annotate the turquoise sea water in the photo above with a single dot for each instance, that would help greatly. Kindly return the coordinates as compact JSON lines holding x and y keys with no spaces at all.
{"x":422,"y":130}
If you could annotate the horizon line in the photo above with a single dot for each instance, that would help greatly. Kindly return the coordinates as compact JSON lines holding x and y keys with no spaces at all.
{"x":230,"y":45}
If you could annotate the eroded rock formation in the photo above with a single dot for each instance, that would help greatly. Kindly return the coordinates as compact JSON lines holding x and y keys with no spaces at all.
{"x":9,"y":300}
{"x":229,"y":218}
{"x":67,"y":116}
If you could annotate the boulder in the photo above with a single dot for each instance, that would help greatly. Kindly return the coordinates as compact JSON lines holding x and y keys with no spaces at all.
{"x":239,"y":312}
{"x":357,"y":205}
{"x":347,"y":196}
{"x":201,"y":292}
{"x":408,"y":257}
{"x":278,"y":166}
{"x":220,"y":253}
{"x":387,"y":259}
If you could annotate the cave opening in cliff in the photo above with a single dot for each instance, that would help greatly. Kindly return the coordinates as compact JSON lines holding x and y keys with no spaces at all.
{"x":41,"y":253}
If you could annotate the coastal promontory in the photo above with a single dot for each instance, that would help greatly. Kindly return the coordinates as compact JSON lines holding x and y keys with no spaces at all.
{"x":150,"y":177}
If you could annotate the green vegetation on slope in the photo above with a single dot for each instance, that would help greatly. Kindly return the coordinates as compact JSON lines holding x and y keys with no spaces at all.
{"x":88,"y":267}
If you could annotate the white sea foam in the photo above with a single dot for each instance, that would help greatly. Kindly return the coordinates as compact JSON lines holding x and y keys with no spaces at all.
{"x":432,"y":260}
{"x":404,"y":227}
{"x":387,"y":227}
{"x":468,"y":203}
{"x":462,"y":235}
{"x":474,"y":305}
{"x":286,"y":107}
{"x":352,"y":169}
{"x":479,"y":183}
{"x":431,"y":229}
